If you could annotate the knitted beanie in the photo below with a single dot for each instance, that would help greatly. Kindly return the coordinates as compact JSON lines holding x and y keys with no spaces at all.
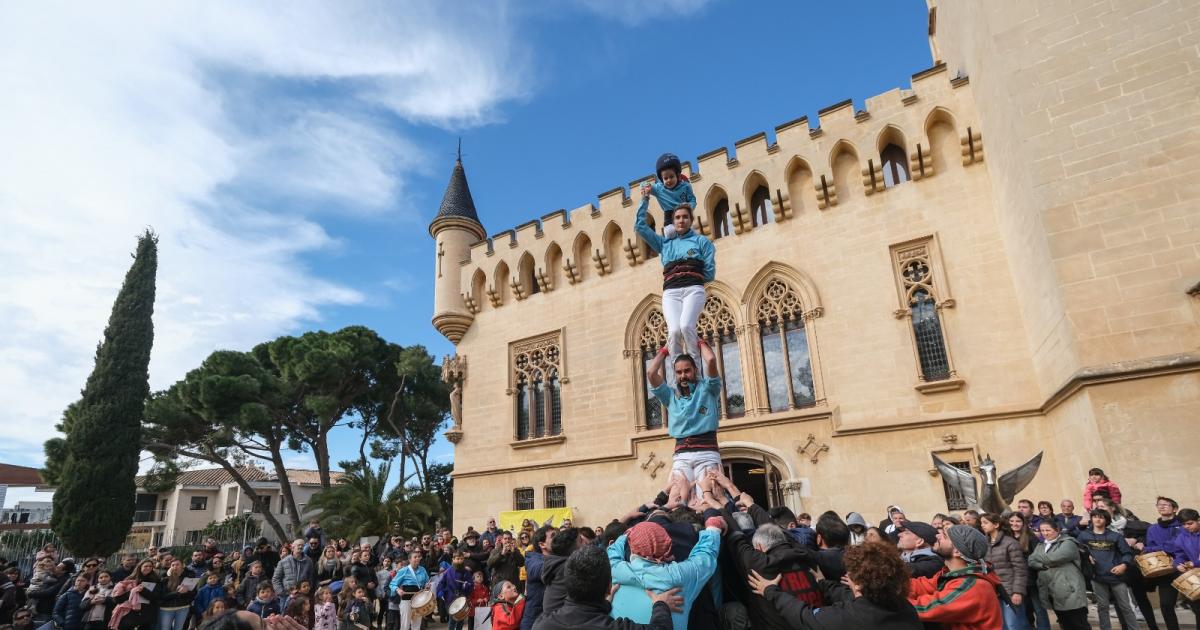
{"x":650,"y":541}
{"x":970,"y":542}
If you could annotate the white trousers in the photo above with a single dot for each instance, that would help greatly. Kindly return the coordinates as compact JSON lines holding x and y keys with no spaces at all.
{"x":692,"y":465}
{"x":681,"y":308}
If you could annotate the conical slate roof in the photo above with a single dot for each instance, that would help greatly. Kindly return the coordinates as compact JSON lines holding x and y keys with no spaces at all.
{"x":457,"y":201}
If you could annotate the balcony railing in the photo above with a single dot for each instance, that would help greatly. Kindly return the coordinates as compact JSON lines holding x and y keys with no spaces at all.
{"x":149,"y":516}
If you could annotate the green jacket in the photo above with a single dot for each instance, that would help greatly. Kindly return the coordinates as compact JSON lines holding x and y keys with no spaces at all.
{"x":1060,"y":581}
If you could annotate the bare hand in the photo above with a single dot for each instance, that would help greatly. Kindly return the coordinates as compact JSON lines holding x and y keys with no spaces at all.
{"x":645,"y":190}
{"x":612,"y":592}
{"x":1016,"y":599}
{"x":1119,"y":569}
{"x":280,"y":622}
{"x":759,"y":584}
{"x":181,"y":589}
{"x":671,"y":598}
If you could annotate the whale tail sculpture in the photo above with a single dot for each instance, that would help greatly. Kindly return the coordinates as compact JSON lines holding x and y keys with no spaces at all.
{"x":998,"y":491}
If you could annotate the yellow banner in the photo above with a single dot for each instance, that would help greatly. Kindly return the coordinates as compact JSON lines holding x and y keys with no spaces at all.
{"x":512,"y":519}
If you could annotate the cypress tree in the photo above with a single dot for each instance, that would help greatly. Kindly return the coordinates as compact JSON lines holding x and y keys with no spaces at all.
{"x":93,"y":506}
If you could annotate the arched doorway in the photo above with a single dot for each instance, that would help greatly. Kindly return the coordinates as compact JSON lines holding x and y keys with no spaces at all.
{"x":763,"y":472}
{"x":760,"y":479}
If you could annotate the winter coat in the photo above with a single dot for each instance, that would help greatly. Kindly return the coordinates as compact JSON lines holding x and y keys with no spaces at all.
{"x":171,"y":597}
{"x":145,"y":615}
{"x":831,"y":564}
{"x":553,"y":570}
{"x":206,"y":595}
{"x":1060,"y":579}
{"x":924,"y":563}
{"x":455,"y":583}
{"x":330,"y":571}
{"x":638,"y":575}
{"x":846,"y":612}
{"x":1108,"y":550}
{"x":789,"y":560}
{"x":325,"y":616}
{"x":1186,"y":547}
{"x":357,"y":612}
{"x":291,"y":572}
{"x":1114,"y":492}
{"x":535,"y":589}
{"x":963,"y":599}
{"x":45,"y":595}
{"x":575,"y":615}
{"x":265,"y":609}
{"x":1161,"y":535}
{"x":507,"y":616}
{"x":68,"y":610}
{"x":1008,"y":562}
{"x":475,"y":556}
{"x":248,"y":589}
{"x":102,"y":599}
{"x":505,"y":566}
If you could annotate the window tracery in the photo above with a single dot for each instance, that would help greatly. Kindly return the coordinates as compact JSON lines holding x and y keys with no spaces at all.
{"x":537,"y":377}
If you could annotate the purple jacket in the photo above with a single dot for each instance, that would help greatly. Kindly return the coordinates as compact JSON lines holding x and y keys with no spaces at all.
{"x":1161,"y":535}
{"x":1187,"y":547}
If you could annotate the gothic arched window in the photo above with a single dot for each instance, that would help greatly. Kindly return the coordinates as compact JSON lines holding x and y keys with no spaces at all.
{"x":921,"y":303}
{"x":761,"y":208}
{"x":536,"y":388}
{"x":718,"y":327}
{"x":720,"y":225}
{"x":895,"y":165}
{"x":653,"y":337}
{"x":786,"y":360}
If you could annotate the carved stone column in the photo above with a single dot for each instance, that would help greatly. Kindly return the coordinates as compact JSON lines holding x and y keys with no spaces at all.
{"x":791,"y":494}
{"x":454,"y":373}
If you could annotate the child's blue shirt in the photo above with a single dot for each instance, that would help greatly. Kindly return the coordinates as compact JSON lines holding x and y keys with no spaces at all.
{"x":670,"y":198}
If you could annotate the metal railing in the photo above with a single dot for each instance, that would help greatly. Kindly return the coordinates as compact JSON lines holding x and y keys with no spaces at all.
{"x":149,"y":516}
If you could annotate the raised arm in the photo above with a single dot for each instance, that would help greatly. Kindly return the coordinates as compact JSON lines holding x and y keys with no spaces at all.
{"x":654,"y":373}
{"x":709,"y":254}
{"x":643,"y":228}
{"x":709,"y":357}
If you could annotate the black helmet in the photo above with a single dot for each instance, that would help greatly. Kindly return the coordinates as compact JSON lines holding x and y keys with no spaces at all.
{"x":665,"y":161}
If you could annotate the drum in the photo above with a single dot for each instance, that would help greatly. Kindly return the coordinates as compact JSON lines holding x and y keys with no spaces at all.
{"x":1155,"y":564}
{"x":1188,"y":585}
{"x":459,"y":610}
{"x":424,"y":604}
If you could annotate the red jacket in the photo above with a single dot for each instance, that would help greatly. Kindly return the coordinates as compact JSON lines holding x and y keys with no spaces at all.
{"x":1114,"y":492}
{"x":508,"y":617}
{"x":964,"y":599}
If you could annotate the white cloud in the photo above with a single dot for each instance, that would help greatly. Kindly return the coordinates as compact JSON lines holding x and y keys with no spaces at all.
{"x":222,"y":125}
{"x":637,"y":12}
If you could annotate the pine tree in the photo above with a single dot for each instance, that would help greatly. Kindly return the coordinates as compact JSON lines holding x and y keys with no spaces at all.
{"x":93,"y":506}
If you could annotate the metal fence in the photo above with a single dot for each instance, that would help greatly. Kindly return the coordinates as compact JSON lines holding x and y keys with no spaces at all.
{"x":22,"y":546}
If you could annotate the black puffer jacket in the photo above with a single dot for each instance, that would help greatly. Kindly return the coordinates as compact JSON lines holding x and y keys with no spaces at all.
{"x":68,"y":610}
{"x":44,"y":596}
{"x":573,"y":615}
{"x":845,"y":612}
{"x":553,"y":570}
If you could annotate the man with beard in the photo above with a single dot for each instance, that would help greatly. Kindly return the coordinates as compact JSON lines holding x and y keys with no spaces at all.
{"x":264,"y":555}
{"x":694,"y":406}
{"x":475,"y":556}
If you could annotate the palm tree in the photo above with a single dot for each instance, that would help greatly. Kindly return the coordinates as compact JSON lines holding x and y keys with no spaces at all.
{"x":359,"y":504}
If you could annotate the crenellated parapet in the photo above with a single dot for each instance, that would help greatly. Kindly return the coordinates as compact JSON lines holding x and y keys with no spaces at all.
{"x":903,"y":135}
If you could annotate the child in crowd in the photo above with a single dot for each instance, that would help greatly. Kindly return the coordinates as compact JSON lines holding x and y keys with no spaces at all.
{"x":358,"y":611}
{"x":1187,"y":549}
{"x":215,"y":609}
{"x":300,"y":609}
{"x":671,"y":188}
{"x":96,"y":603}
{"x":207,"y":594}
{"x":383,"y":577}
{"x":325,"y":615}
{"x":1098,"y":481}
{"x":41,"y":569}
{"x":265,"y":604}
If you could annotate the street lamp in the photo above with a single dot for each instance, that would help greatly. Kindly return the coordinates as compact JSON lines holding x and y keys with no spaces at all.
{"x":245,"y":526}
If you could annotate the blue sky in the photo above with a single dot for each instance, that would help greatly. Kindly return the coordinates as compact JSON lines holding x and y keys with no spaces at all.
{"x":292,"y":156}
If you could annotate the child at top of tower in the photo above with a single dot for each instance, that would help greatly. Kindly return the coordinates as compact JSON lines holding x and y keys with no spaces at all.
{"x":671,"y":188}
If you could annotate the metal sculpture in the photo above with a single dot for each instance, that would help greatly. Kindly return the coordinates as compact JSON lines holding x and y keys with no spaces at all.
{"x":998,"y":491}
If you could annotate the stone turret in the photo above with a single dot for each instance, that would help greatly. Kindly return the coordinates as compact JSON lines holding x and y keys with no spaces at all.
{"x":455,"y":228}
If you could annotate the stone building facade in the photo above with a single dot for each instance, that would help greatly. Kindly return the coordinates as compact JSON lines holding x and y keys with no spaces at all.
{"x":1000,"y":259}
